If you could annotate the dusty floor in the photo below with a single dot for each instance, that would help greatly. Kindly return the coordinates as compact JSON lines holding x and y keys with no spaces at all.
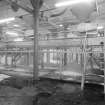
{"x":16,"y":91}
{"x":70,"y":94}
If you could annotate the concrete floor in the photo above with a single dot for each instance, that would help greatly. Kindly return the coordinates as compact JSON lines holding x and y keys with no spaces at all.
{"x":24,"y":94}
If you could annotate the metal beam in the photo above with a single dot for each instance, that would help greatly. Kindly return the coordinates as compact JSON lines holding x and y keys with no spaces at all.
{"x":20,"y":6}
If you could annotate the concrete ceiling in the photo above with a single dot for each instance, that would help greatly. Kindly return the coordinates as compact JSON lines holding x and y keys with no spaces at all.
{"x":51,"y":18}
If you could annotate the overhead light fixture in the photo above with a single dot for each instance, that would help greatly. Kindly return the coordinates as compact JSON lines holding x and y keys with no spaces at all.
{"x":68,"y":28}
{"x":61,"y":25}
{"x":12,"y":33}
{"x":7,"y":20}
{"x":100,"y":27}
{"x":18,"y":39}
{"x":71,"y":2}
{"x":16,"y":25}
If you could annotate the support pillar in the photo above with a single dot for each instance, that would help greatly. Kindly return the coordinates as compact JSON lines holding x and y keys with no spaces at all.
{"x":36,"y":23}
{"x":6,"y":57}
{"x":84,"y":64}
{"x":61,"y":64}
{"x":27,"y":57}
{"x":104,"y":61}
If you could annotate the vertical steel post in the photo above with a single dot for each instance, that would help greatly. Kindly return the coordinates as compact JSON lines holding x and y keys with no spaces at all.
{"x":104,"y":60}
{"x":12,"y":55}
{"x":30,"y":56}
{"x":27,"y":56}
{"x":36,"y":23}
{"x":6,"y":59}
{"x":84,"y":65}
{"x":61,"y":52}
{"x":48,"y":56}
{"x":6,"y":56}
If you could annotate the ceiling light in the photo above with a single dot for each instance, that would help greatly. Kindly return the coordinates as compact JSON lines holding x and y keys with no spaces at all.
{"x":100,"y":27}
{"x":61,"y":25}
{"x":12,"y":33}
{"x":18,"y":39}
{"x":68,"y":28}
{"x":7,"y":20}
{"x":16,"y":25}
{"x":71,"y":2}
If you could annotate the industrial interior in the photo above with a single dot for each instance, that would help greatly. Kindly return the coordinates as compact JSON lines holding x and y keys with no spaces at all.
{"x":55,"y":41}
